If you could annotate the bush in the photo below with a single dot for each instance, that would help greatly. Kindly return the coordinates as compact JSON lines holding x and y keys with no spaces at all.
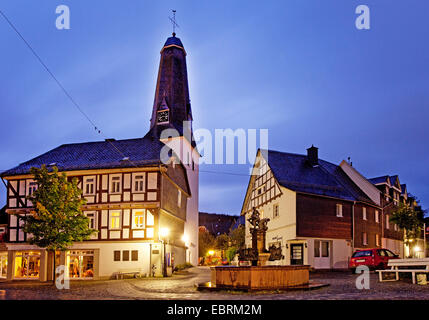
{"x":183,"y":266}
{"x":230,"y":253}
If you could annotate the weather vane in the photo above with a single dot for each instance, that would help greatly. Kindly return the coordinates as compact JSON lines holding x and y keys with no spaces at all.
{"x":173,"y":21}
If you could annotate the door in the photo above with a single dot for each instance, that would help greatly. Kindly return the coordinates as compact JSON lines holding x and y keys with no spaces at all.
{"x":322,"y":254}
{"x":296,"y":254}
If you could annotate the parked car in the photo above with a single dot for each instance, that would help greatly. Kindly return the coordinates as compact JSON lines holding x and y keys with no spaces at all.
{"x":373,"y":258}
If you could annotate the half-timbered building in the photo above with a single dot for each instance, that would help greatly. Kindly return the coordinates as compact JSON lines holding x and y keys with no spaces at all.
{"x":319,"y":212}
{"x":132,"y":193}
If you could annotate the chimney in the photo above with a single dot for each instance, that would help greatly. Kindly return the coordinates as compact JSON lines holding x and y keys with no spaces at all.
{"x":312,"y":155}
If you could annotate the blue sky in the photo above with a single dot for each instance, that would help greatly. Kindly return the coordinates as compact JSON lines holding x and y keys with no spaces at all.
{"x":299,"y":68}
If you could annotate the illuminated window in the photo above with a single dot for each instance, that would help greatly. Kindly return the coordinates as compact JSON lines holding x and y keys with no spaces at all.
{"x":3,"y":265}
{"x":377,"y":240}
{"x":179,"y":198}
{"x":27,"y":264}
{"x":115,"y":220}
{"x":364,"y":214}
{"x":80,"y":264}
{"x":339,"y":210}
{"x":138,"y":219}
{"x":387,"y":222}
{"x":377,"y":216}
{"x":150,"y":218}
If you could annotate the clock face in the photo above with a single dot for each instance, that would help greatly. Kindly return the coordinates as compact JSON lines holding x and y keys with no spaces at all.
{"x":163,"y":116}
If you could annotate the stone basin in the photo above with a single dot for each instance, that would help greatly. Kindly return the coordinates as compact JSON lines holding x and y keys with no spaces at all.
{"x":260,"y":277}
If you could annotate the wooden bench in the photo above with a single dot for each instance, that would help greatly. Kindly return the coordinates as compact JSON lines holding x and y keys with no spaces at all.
{"x":411,"y":264}
{"x":122,"y":273}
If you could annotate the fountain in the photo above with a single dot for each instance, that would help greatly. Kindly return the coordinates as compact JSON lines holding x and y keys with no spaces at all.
{"x":259,"y":275}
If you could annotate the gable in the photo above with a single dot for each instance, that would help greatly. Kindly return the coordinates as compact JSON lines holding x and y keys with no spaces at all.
{"x":263,"y":187}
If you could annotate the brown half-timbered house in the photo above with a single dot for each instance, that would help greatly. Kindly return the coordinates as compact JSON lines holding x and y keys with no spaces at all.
{"x":133,"y":193}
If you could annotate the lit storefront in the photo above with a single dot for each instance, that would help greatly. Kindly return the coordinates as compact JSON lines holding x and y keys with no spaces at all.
{"x":80,"y":264}
{"x":3,"y":265}
{"x":27,"y":265}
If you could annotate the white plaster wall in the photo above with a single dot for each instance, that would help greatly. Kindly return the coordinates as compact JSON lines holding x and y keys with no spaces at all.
{"x":106,"y":264}
{"x":182,"y":148}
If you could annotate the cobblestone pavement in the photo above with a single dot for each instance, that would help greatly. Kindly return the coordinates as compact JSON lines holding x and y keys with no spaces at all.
{"x":342,"y":286}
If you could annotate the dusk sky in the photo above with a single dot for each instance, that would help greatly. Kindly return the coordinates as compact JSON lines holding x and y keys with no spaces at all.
{"x":299,"y":68}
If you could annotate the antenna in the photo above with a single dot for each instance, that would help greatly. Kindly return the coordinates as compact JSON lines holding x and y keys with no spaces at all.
{"x":173,"y":21}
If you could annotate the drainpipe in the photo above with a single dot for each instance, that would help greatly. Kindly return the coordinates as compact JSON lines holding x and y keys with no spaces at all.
{"x":353,"y":226}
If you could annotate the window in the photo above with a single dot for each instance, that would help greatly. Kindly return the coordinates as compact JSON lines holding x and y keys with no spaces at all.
{"x":81,"y":264}
{"x":134,"y":255}
{"x":138,"y":219}
{"x":316,"y":248}
{"x":325,"y":249}
{"x":115,"y":184}
{"x":32,"y":186}
{"x":387,"y":222}
{"x":395,"y":227}
{"x":150,"y":218}
{"x":179,"y":198}
{"x":275,"y":210}
{"x":139,"y":183}
{"x":376,"y":216}
{"x":377,"y":240}
{"x":3,"y":265}
{"x":27,"y":264}
{"x":364,"y":213}
{"x":364,"y":239}
{"x":339,"y":210}
{"x":366,"y":253}
{"x":92,"y":224}
{"x":390,"y":253}
{"x":89,"y":185}
{"x":125,"y":255}
{"x":115,"y":220}
{"x":116,"y":255}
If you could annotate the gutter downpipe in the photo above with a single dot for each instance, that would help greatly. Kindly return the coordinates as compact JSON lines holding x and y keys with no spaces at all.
{"x":353,"y":227}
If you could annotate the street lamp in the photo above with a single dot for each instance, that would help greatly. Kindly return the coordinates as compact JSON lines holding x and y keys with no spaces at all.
{"x":163,"y":233}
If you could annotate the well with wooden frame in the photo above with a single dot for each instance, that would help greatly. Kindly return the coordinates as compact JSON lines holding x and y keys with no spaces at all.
{"x":260,"y":277}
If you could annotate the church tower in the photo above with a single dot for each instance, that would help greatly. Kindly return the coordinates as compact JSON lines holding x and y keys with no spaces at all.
{"x":172,"y":110}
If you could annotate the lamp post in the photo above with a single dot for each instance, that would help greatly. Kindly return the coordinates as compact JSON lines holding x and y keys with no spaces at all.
{"x":163,"y":233}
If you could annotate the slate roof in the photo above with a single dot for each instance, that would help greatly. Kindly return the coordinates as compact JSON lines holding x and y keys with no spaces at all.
{"x":173,"y":41}
{"x":377,"y":180}
{"x":96,"y":155}
{"x":294,"y":172}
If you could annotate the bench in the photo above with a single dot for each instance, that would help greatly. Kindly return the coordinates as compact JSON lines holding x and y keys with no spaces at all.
{"x":411,"y":264}
{"x":135,"y":273}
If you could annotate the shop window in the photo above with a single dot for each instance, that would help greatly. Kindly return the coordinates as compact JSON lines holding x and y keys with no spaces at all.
{"x":80,"y":264}
{"x":27,"y":265}
{"x":3,"y":265}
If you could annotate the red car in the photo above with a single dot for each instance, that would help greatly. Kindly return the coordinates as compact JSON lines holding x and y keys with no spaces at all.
{"x":373,"y":258}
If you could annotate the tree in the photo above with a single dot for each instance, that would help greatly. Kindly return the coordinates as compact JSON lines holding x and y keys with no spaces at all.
{"x":222,"y":242}
{"x":205,"y":242}
{"x":57,"y":219}
{"x":408,"y":218}
{"x":237,"y":236}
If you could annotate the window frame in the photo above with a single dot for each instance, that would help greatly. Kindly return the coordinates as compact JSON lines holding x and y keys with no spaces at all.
{"x":111,"y":212}
{"x":86,"y":183}
{"x":339,"y":210}
{"x":111,"y":180}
